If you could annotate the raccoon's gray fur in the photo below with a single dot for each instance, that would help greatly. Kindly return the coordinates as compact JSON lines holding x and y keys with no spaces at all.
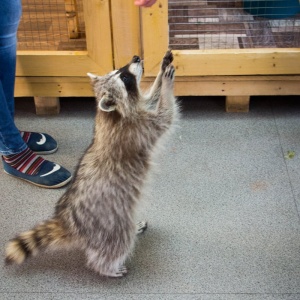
{"x":96,"y":213}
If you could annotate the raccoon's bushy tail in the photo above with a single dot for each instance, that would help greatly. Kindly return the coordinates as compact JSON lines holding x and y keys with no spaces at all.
{"x":47,"y":234}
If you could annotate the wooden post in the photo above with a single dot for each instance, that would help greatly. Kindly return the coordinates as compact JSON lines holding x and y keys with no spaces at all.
{"x":155,"y":37}
{"x":125,"y":20}
{"x":237,"y":103}
{"x":98,"y":34}
{"x":47,"y":105}
{"x":71,"y":14}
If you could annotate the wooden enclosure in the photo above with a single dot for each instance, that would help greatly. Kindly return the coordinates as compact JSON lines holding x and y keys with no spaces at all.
{"x":116,"y":30}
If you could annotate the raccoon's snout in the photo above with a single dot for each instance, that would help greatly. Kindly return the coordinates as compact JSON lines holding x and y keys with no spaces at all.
{"x":136,"y":59}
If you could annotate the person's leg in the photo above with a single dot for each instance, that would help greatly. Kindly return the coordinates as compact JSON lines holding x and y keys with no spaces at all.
{"x":11,"y":141}
{"x":17,"y":158}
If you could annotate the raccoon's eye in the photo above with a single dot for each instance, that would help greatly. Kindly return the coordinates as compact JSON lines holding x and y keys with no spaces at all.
{"x":125,"y":79}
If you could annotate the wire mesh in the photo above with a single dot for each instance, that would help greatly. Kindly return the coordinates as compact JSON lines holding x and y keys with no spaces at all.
{"x":229,"y":24}
{"x":52,"y":25}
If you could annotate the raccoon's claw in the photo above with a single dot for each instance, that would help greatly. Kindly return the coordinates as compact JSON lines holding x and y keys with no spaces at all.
{"x":122,"y":270}
{"x":141,"y":227}
{"x":168,"y":58}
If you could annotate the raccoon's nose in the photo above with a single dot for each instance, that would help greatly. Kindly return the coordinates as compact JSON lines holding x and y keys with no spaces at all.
{"x":136,"y":59}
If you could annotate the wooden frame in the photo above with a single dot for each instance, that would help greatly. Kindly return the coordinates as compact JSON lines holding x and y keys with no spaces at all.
{"x":261,"y":65}
{"x":235,"y":74}
{"x":97,"y":58}
{"x":211,"y":62}
{"x":52,"y":65}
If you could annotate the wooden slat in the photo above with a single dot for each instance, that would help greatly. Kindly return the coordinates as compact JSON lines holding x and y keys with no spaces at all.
{"x":187,"y":86}
{"x":234,"y":62}
{"x":98,"y":32}
{"x":155,"y":36}
{"x":59,"y":63}
{"x":126,"y":31}
{"x":53,"y":87}
{"x":237,"y":85}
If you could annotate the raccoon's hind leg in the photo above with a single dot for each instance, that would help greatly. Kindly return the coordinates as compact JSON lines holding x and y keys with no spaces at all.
{"x":141,"y":227}
{"x":104,"y":265}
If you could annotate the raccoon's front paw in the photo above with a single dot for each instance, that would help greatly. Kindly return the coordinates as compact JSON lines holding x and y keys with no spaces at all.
{"x":169,"y":74}
{"x":168,"y":58}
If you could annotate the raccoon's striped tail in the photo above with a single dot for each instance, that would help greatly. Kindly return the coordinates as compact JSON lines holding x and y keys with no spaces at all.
{"x":45,"y":235}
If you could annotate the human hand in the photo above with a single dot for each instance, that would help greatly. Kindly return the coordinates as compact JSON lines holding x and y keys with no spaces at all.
{"x":144,"y":3}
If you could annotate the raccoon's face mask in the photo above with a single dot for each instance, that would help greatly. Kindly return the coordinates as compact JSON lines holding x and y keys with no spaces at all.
{"x":112,"y":89}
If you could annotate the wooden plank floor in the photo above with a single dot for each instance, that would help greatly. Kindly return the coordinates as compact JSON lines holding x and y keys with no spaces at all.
{"x":44,"y":26}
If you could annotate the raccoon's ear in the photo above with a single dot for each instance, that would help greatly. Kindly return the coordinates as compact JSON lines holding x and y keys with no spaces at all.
{"x":106,"y":104}
{"x":93,"y":77}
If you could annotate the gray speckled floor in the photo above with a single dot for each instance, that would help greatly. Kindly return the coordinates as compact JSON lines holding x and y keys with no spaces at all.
{"x":223,"y":209}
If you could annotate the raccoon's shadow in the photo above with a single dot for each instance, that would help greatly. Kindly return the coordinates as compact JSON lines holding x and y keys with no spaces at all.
{"x":63,"y":262}
{"x":72,"y":263}
{"x":147,"y":255}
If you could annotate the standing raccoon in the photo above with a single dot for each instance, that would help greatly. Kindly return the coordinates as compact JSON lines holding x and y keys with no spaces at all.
{"x":96,"y":214}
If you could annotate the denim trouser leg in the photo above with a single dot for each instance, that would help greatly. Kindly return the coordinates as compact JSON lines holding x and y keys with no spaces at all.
{"x":11,"y":141}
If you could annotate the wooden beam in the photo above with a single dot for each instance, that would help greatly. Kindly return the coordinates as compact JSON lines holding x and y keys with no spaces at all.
{"x":125,"y":19}
{"x":59,"y":63}
{"x":187,"y":86}
{"x":232,"y":62}
{"x":236,"y":89}
{"x":155,"y":36}
{"x":98,"y":32}
{"x":53,"y":87}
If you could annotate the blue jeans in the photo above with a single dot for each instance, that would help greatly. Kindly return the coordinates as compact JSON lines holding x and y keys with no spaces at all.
{"x":11,"y":141}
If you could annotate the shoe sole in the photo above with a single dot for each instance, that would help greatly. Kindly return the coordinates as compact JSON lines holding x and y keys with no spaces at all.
{"x":40,"y":185}
{"x":45,"y":152}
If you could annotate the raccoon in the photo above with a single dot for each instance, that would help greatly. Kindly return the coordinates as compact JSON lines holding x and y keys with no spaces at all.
{"x":96,"y":213}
